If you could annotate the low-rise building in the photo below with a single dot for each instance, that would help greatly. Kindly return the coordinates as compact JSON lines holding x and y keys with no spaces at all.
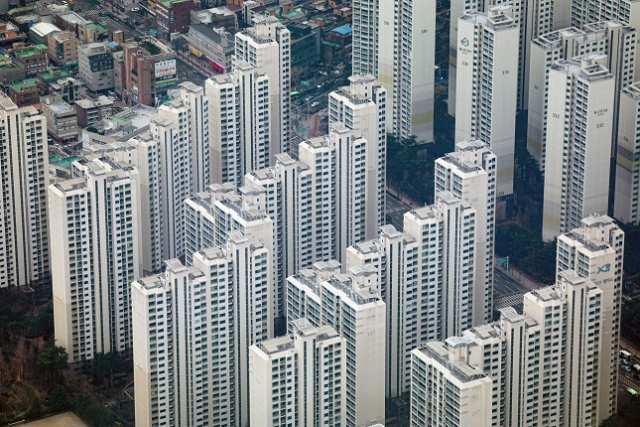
{"x":39,"y":33}
{"x":70,"y":21}
{"x":216,"y":17}
{"x":50,"y":76}
{"x":90,"y":111}
{"x":62,"y":123}
{"x":68,"y":88}
{"x":94,"y":33}
{"x":9,"y":70}
{"x":215,"y":44}
{"x":173,"y":16}
{"x":95,"y":66}
{"x":24,"y":92}
{"x":9,"y":34}
{"x":23,"y":18}
{"x":63,"y":47}
{"x":146,"y":70}
{"x":34,"y":59}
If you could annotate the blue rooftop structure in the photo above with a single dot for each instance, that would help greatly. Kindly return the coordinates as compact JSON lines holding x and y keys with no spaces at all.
{"x":344,"y":30}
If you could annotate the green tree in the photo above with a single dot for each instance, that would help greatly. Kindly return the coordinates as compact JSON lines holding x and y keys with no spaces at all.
{"x":51,"y":359}
{"x":104,"y":365}
{"x":58,"y":399}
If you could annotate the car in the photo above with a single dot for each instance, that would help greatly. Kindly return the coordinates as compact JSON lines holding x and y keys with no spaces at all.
{"x":319,"y":86}
{"x":135,"y":9}
{"x":323,"y":73}
{"x":315,"y":104}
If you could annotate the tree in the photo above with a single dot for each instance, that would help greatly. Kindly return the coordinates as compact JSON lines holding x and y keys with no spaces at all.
{"x":104,"y":365}
{"x":609,"y":422}
{"x":51,"y":359}
{"x":58,"y":400}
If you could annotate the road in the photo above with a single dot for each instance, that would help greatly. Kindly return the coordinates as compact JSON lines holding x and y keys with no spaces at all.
{"x":395,"y":211}
{"x":87,"y":9}
{"x":507,"y":292}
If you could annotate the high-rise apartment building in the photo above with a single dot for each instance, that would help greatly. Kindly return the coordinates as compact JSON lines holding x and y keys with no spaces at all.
{"x":486,"y":83}
{"x":142,"y":152}
{"x":24,"y":166}
{"x":627,"y":191}
{"x":427,"y":280}
{"x":469,"y":174}
{"x":349,"y":303}
{"x":361,"y":107}
{"x":405,"y":38}
{"x":211,"y":216}
{"x":364,"y":21}
{"x":580,"y":119}
{"x":288,"y":195}
{"x":267,"y":47}
{"x":446,"y":391}
{"x":299,"y":379}
{"x":589,"y":11}
{"x":533,"y":369}
{"x":595,"y":251}
{"x":182,"y":131}
{"x":193,"y":327}
{"x":533,"y":17}
{"x":240,"y":123}
{"x":394,"y":254}
{"x":95,"y":234}
{"x":445,"y":235}
{"x":613,"y":39}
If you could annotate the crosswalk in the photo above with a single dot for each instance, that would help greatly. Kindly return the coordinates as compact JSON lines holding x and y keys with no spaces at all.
{"x":93,"y":12}
{"x":509,"y":300}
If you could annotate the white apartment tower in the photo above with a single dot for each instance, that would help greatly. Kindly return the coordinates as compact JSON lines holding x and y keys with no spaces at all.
{"x":193,"y":98}
{"x":24,"y":166}
{"x":595,"y":251}
{"x":267,"y":47}
{"x":350,"y":304}
{"x":299,"y":380}
{"x":182,"y":131}
{"x":533,"y":17}
{"x":95,"y":235}
{"x":142,"y":152}
{"x":361,"y":107}
{"x":580,"y":119}
{"x":625,"y":208}
{"x":288,"y":194}
{"x":537,"y":368}
{"x":364,"y":20}
{"x":211,"y":216}
{"x":395,"y":255}
{"x":486,"y":83}
{"x":240,"y":123}
{"x":406,"y":32}
{"x":445,"y":235}
{"x":447,"y":391}
{"x":613,"y":39}
{"x":469,"y":173}
{"x":215,"y":309}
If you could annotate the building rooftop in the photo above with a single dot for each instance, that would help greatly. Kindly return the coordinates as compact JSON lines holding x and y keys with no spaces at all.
{"x":27,"y":52}
{"x":95,"y":26}
{"x":24,"y":85}
{"x":53,"y":74}
{"x":343,"y":30}
{"x":73,"y":18}
{"x":458,"y":369}
{"x":58,"y":106}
